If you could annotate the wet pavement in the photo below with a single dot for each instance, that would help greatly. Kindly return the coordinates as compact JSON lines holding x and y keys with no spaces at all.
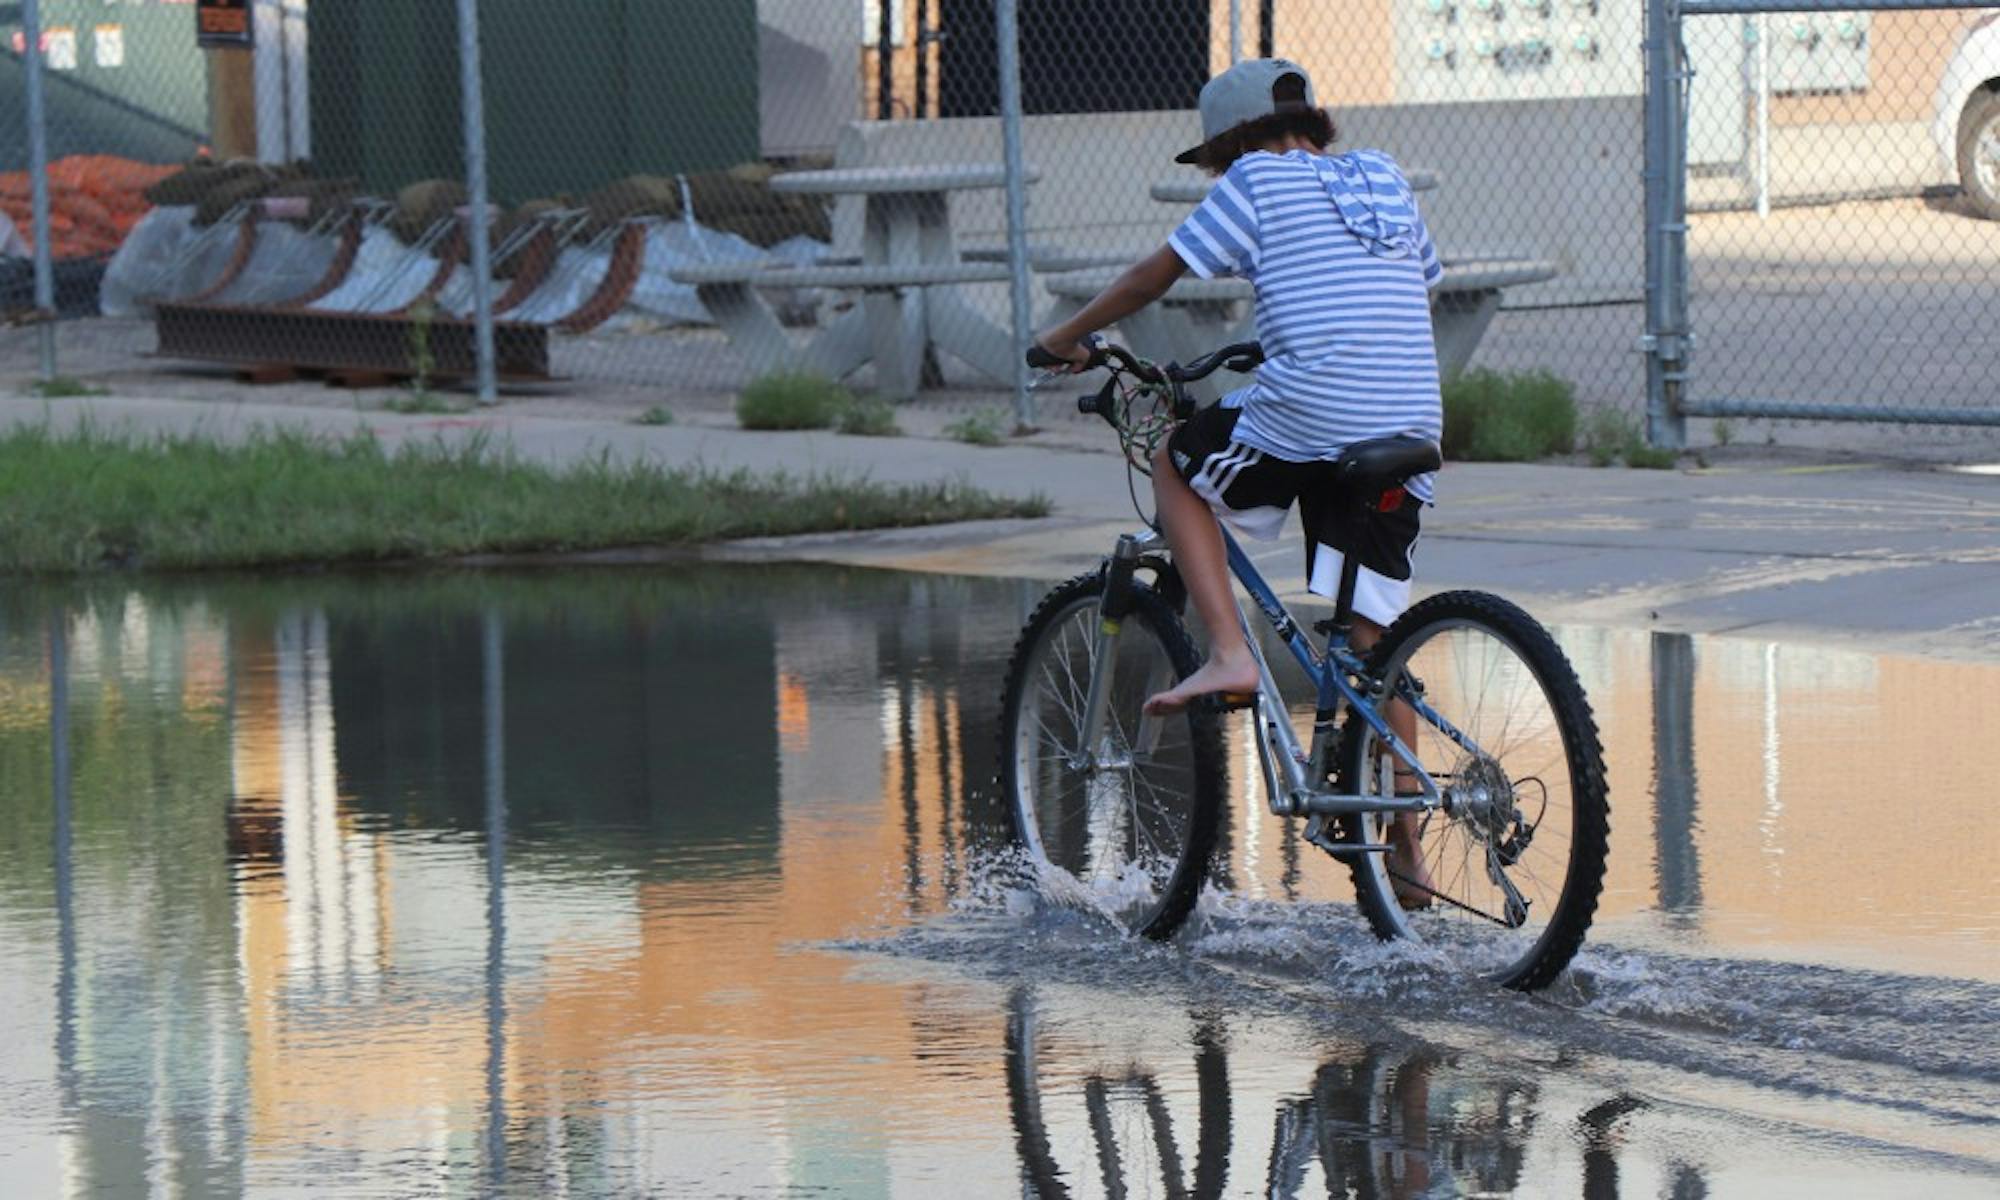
{"x":681,"y":882}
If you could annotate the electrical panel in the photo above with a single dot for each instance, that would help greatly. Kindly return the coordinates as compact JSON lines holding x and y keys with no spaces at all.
{"x":1818,"y":52}
{"x":1457,"y":50}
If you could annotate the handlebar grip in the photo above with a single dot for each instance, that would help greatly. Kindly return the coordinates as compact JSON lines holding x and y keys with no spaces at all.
{"x":1042,"y":360}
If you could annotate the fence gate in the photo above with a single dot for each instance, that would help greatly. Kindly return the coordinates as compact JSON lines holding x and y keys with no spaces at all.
{"x":1830,"y":249}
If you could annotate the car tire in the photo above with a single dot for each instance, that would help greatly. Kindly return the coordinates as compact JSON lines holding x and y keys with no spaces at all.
{"x":1979,"y":152}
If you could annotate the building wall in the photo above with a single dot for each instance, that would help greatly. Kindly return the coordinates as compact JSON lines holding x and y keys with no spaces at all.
{"x":1350,"y":54}
{"x":1510,"y":175}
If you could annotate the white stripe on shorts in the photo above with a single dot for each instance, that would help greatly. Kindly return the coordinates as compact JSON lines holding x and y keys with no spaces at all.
{"x":1254,"y":457}
{"x":1204,"y":483}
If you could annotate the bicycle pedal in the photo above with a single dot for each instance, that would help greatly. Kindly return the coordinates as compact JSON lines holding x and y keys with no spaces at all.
{"x":1230,"y":701}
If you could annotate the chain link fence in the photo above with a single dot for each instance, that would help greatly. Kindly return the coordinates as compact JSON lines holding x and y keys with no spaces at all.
{"x":688,"y":197}
{"x":1843,"y":228}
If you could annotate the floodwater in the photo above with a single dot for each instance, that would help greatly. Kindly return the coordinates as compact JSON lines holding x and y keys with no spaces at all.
{"x":678,"y":883}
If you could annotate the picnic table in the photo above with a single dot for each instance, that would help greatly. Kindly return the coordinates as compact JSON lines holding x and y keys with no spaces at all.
{"x":908,"y":274}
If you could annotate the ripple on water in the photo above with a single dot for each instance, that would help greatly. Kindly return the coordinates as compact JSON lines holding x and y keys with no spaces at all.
{"x":1914,"y":1044}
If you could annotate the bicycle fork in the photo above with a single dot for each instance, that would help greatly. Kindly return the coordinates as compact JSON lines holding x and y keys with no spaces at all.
{"x":1112,"y":609}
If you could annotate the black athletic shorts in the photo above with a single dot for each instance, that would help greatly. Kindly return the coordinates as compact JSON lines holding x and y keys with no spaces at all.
{"x":1252,"y":491}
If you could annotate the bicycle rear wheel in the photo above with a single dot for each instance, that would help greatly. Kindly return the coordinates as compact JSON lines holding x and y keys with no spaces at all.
{"x":1515,"y":858}
{"x":1133,"y":818}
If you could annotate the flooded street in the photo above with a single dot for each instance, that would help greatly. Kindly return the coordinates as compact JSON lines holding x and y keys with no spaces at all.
{"x":689,"y":882}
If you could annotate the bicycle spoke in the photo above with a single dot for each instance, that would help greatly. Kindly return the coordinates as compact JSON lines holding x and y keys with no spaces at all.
{"x":1102,"y":809}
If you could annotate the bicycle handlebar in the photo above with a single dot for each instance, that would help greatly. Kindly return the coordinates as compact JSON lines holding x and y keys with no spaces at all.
{"x":1240,"y":357}
{"x":1102,"y":354}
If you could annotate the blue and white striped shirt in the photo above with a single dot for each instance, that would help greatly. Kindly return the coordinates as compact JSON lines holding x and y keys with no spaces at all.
{"x":1343,"y":266}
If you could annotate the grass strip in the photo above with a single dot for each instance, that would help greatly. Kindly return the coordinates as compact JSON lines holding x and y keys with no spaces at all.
{"x":89,"y":500}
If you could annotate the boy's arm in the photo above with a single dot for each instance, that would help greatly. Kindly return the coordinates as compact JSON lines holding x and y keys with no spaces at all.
{"x":1144,"y":282}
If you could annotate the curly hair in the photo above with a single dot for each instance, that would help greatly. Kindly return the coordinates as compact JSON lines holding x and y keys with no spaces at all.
{"x":1220,"y":152}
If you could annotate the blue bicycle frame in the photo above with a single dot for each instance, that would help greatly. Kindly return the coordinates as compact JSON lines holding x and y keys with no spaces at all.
{"x":1337,"y":675}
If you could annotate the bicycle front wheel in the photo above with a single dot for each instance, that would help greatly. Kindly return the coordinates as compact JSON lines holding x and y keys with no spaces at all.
{"x":1507,"y":873}
{"x":1133,"y":816}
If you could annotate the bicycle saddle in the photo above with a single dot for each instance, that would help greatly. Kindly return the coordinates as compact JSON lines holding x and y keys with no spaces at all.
{"x":1365,"y":470}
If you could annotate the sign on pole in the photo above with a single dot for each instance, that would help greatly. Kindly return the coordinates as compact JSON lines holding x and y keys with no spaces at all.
{"x":222,"y":23}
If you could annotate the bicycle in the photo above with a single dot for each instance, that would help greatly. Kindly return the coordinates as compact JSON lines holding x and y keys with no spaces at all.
{"x":1506,"y":776}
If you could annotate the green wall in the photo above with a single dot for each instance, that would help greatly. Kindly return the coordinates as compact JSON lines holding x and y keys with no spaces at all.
{"x":577,"y":94}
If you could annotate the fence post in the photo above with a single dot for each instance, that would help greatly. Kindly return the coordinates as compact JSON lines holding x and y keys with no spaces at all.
{"x":267,"y":75}
{"x":1665,"y":342}
{"x":1006,"y":15}
{"x":63,"y":852}
{"x":38,"y":184}
{"x":474,"y":103}
{"x":1235,"y":32}
{"x":493,"y":689}
{"x":1763,"y":28}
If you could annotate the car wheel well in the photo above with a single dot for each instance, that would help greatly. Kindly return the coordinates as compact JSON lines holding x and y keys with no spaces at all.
{"x":1980,"y":91}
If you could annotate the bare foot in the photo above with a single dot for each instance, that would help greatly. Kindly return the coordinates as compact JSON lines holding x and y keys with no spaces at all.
{"x":1235,"y":674}
{"x":1406,"y":861}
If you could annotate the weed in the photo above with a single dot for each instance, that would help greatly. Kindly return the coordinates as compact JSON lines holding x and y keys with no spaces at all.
{"x":62,"y":387}
{"x":792,"y":400}
{"x":1725,"y":431}
{"x":987,"y":427}
{"x":1612,"y":434}
{"x":422,"y":360}
{"x":1649,"y":458}
{"x":1606,"y":432}
{"x":870,"y":417}
{"x":659,"y":414}
{"x":1491,"y":417}
{"x":419,"y":401}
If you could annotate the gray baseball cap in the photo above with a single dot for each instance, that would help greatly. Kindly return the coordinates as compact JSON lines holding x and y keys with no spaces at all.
{"x":1253,"y":88}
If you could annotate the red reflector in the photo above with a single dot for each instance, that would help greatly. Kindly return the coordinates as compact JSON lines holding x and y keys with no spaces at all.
{"x":1391,"y":500}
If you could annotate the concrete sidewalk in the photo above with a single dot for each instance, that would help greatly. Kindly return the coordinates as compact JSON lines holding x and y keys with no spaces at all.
{"x":1893,"y":556}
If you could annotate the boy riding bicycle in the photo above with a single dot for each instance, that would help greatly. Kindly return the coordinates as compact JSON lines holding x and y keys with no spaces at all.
{"x":1342,"y":265}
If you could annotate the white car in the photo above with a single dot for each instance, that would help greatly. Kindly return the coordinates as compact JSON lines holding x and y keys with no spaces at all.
{"x":1966,"y":124}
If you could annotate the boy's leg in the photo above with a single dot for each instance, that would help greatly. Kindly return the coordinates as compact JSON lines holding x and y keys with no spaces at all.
{"x":1196,"y":540}
{"x":1406,"y":857}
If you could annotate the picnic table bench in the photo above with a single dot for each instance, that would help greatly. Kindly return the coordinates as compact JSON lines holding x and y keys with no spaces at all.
{"x":883,"y":329}
{"x":908,"y":268}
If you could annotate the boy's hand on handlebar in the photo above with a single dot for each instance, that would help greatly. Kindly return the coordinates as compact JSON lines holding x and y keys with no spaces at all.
{"x":1074,"y":356}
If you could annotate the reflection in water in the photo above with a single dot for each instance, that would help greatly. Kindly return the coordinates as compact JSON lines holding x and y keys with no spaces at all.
{"x":65,"y":885}
{"x":485,"y":885}
{"x":1675,"y":856}
{"x":1097,"y":1111}
{"x":492,"y":677}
